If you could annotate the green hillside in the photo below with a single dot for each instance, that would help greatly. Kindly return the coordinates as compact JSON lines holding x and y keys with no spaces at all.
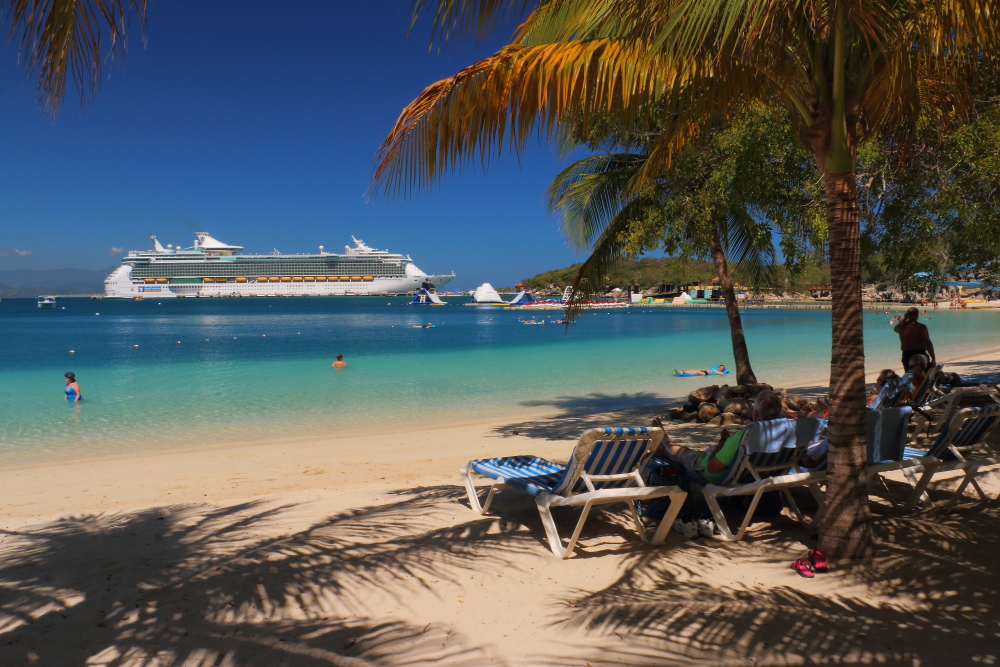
{"x":651,"y":271}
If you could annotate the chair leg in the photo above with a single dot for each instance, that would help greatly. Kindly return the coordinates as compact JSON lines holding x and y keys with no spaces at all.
{"x":552,"y":532}
{"x":720,"y":518}
{"x":970,"y":478}
{"x":473,"y":493}
{"x":660,"y":534}
{"x":919,"y":493}
{"x":799,"y":515}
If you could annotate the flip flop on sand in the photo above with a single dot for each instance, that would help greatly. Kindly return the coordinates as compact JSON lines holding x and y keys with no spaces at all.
{"x":819,"y":561}
{"x":804,"y":567}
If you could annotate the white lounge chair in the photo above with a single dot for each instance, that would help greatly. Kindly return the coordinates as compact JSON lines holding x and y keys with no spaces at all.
{"x":961,"y":445}
{"x":767,"y":447}
{"x":603,"y":468}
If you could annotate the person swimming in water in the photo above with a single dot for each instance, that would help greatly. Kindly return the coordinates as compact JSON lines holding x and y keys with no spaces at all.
{"x":72,"y":387}
{"x":718,"y":370}
{"x":339,"y":363}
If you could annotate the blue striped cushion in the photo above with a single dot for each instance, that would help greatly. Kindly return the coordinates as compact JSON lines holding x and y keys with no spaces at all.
{"x":972,"y":429}
{"x":531,"y":474}
{"x":611,"y":457}
{"x":913,"y":453}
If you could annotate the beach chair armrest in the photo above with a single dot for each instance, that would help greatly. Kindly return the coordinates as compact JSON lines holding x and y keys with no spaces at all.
{"x":602,"y":496}
{"x":633,"y":476}
{"x":777,"y":482}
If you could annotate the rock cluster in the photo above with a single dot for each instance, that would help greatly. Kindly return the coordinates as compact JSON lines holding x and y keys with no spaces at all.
{"x":724,"y":405}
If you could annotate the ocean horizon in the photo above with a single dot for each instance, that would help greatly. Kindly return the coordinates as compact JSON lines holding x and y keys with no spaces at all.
{"x":191,"y":373}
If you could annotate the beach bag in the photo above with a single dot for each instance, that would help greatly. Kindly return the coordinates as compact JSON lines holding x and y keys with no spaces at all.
{"x":664,"y":473}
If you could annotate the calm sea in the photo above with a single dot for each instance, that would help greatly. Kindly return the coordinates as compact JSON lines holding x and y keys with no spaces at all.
{"x":223,"y":371}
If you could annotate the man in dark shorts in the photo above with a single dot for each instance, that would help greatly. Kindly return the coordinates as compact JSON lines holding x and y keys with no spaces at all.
{"x":914,"y":339}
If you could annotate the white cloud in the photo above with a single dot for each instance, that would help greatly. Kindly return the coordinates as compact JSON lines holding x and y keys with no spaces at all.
{"x":116,"y":250}
{"x":22,"y":253}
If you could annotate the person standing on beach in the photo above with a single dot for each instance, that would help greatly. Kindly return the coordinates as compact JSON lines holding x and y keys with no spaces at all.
{"x":72,"y":387}
{"x":914,"y":338}
{"x":339,"y":363}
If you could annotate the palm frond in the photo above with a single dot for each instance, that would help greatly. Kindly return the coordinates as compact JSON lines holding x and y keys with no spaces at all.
{"x":749,"y":247}
{"x":69,"y":38}
{"x":608,"y":250}
{"x":518,"y":94}
{"x":589,"y":193}
{"x":455,"y":19}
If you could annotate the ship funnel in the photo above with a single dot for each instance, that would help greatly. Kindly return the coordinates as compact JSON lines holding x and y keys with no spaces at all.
{"x":156,"y":245}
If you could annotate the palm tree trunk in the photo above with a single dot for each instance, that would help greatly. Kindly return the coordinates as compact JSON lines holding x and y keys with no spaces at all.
{"x":846,"y":530}
{"x":744,"y":373}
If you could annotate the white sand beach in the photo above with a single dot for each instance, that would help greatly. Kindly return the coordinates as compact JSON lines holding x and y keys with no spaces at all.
{"x":361,"y":550}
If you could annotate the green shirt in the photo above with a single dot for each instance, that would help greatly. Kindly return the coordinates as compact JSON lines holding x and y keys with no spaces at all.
{"x":725,"y":454}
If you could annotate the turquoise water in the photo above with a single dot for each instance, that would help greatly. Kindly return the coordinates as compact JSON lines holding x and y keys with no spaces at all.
{"x":264,"y":371}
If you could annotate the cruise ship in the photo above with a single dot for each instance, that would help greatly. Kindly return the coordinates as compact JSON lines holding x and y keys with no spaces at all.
{"x":211,"y":268}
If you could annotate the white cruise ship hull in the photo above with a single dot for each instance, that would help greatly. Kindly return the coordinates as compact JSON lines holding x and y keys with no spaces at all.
{"x":211,"y":268}
{"x":120,"y":286}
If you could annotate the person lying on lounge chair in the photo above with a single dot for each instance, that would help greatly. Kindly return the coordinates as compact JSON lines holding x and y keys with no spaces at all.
{"x":710,"y":464}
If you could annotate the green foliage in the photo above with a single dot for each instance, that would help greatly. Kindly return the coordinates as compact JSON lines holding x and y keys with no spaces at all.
{"x":648,"y":272}
{"x":934,"y":208}
{"x":737,"y":189}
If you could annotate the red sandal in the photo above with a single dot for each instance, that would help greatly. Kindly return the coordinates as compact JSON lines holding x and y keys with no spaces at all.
{"x":804,"y":567}
{"x":819,"y":561}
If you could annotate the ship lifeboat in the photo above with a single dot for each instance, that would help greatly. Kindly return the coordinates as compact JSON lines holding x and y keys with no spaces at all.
{"x":286,"y":279}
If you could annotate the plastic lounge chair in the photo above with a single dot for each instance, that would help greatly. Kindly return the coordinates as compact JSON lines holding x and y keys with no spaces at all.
{"x":767,"y":447}
{"x":603,"y":468}
{"x":965,"y":435}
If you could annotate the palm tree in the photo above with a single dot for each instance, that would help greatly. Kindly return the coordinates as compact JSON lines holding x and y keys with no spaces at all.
{"x":844,"y":68}
{"x":60,"y":39}
{"x":718,"y":199}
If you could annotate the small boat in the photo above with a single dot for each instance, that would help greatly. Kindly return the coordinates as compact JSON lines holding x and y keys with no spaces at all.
{"x":47,"y":301}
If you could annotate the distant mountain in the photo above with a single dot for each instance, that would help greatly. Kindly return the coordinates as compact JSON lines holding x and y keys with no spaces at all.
{"x":33,"y":282}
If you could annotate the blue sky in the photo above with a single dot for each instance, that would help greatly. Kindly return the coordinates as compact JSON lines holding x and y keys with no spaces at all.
{"x":258,"y":122}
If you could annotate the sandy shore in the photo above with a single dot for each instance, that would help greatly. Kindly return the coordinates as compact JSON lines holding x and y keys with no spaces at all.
{"x":360,"y":550}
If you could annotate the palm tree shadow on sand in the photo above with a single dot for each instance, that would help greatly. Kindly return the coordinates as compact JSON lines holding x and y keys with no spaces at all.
{"x":194,"y":585}
{"x":234,"y":586}
{"x":930,"y":596}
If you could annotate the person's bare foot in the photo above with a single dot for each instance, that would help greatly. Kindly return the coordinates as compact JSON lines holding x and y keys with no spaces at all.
{"x":656,"y":423}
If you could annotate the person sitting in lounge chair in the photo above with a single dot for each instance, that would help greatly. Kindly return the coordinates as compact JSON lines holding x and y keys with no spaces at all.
{"x":710,"y":464}
{"x":872,"y":399}
{"x":901,"y":389}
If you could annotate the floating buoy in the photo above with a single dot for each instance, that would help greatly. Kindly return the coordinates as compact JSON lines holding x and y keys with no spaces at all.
{"x":96,"y":313}
{"x":135,"y":346}
{"x":206,"y":340}
{"x":263,"y":335}
{"x":234,"y":337}
{"x":298,"y":333}
{"x":72,"y":351}
{"x":178,"y":342}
